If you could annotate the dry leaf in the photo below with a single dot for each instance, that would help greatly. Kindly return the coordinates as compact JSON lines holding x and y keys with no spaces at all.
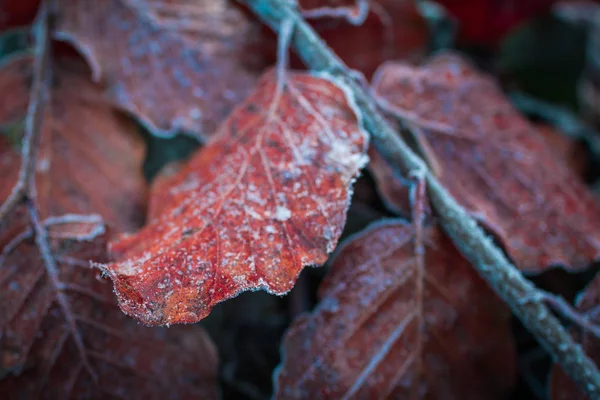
{"x":175,"y":65}
{"x":62,"y":334}
{"x":390,"y":326}
{"x":495,"y":163}
{"x":266,"y":197}
{"x":561,"y":385}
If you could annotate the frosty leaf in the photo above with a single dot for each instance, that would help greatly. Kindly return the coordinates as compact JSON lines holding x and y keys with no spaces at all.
{"x":495,"y":163}
{"x":179,"y":64}
{"x":389,"y":326}
{"x":62,"y":335}
{"x":266,"y":197}
{"x":561,"y":385}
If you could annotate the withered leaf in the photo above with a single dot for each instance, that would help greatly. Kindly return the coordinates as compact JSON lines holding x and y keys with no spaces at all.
{"x":266,"y":197}
{"x":175,"y":65}
{"x":495,"y":163}
{"x":392,"y":325}
{"x":561,"y":385}
{"x":62,"y":334}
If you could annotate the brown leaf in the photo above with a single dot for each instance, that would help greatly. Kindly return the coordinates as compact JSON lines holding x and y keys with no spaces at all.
{"x":175,"y":65}
{"x":390,"y":326}
{"x":561,"y":385}
{"x":266,"y":197}
{"x":62,"y":334}
{"x":495,"y":163}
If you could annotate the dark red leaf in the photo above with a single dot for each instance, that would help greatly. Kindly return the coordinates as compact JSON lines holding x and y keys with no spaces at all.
{"x":495,"y":163}
{"x":266,"y":197}
{"x":62,"y":335}
{"x":485,"y":22}
{"x":561,"y":385}
{"x":390,"y":326}
{"x":17,"y":12}
{"x":180,"y":64}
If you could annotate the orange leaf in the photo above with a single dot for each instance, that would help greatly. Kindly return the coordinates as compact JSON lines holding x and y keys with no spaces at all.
{"x":389,"y":326}
{"x":266,"y":197}
{"x":180,"y":64}
{"x":62,"y":334}
{"x":495,"y":163}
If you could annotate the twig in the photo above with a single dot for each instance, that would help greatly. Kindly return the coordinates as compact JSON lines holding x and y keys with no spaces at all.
{"x":562,"y":307}
{"x":25,"y":191}
{"x":344,"y":12}
{"x":35,"y":113}
{"x":96,"y":219}
{"x":473,"y":242}
{"x":41,"y":240}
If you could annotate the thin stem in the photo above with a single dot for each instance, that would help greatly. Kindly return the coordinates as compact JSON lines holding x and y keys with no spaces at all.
{"x":491,"y":263}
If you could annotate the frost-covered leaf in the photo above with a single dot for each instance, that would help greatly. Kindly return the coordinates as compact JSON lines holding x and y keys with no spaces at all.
{"x":175,"y":65}
{"x":495,"y":163}
{"x":266,"y":197}
{"x":391,"y":326}
{"x":62,"y":334}
{"x":588,"y":302}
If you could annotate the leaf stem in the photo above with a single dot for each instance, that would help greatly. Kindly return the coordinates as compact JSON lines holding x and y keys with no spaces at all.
{"x":491,"y":263}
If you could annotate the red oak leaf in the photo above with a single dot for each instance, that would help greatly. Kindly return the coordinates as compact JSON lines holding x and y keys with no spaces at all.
{"x":179,"y":64}
{"x":561,"y":385}
{"x":266,"y":197}
{"x":495,"y":163}
{"x":393,"y":325}
{"x":62,"y":334}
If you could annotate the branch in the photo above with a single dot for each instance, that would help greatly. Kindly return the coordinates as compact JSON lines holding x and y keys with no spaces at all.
{"x":524,"y":299}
